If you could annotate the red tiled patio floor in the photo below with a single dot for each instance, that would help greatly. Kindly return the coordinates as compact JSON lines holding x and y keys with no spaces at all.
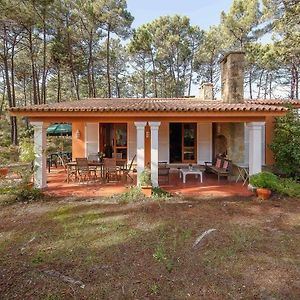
{"x":58,"y":187}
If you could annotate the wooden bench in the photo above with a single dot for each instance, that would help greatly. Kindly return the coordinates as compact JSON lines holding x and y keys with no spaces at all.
{"x":221,"y":167}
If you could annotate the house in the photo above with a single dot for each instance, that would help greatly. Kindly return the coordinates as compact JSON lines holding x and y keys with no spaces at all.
{"x":177,"y":131}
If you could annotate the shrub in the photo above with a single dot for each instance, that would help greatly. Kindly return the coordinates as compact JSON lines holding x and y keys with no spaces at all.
{"x":134,"y":194}
{"x":27,"y":194}
{"x":27,"y":150}
{"x":145,"y":177}
{"x":289,"y":187}
{"x":264,"y":180}
{"x":160,"y":194}
{"x":286,"y":144}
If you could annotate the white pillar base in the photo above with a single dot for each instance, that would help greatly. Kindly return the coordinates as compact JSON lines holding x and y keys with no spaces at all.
{"x":154,"y":126}
{"x":140,"y":147}
{"x":255,"y":147}
{"x":40,"y":162}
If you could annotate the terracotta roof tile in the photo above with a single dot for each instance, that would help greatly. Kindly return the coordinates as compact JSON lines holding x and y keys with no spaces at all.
{"x":149,"y":104}
{"x":274,"y":102}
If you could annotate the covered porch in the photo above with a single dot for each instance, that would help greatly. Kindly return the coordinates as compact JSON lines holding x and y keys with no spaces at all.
{"x":211,"y":187}
{"x":147,"y":143}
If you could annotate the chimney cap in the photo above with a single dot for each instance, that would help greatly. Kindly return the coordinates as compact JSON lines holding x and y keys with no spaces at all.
{"x":230,"y":53}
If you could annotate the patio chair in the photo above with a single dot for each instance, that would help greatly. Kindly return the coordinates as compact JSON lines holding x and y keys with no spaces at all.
{"x":83,"y":169}
{"x":128,"y":169}
{"x":110,"y":169}
{"x":164,"y":171}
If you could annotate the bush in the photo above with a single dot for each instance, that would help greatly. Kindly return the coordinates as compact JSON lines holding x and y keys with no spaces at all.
{"x":286,"y":144}
{"x":145,"y":178}
{"x":160,"y":194}
{"x":264,"y":180}
{"x":288,"y":187}
{"x":134,"y":194}
{"x":27,"y":194}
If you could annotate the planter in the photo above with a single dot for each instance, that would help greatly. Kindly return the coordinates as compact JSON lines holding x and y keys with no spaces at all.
{"x":263,"y":194}
{"x":147,"y":190}
{"x":3,"y":172}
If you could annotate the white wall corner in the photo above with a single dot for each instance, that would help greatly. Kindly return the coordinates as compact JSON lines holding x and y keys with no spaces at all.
{"x":154,"y":127}
{"x":140,"y":147}
{"x":40,"y":162}
{"x":204,"y":142}
{"x":255,"y":146}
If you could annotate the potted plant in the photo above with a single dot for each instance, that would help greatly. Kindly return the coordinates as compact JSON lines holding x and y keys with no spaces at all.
{"x":264,"y":183}
{"x":145,"y":182}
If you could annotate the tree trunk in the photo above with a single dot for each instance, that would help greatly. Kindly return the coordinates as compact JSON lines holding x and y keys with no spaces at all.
{"x":44,"y":76}
{"x":144,"y":79}
{"x":58,"y":99}
{"x":34,"y":89}
{"x":13,"y":120}
{"x":260,"y":83}
{"x":250,"y":84}
{"x":108,"y":63}
{"x":154,"y":76}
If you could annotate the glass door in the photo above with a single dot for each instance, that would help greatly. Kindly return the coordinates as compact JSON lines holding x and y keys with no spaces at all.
{"x":120,"y":141}
{"x":189,"y":142}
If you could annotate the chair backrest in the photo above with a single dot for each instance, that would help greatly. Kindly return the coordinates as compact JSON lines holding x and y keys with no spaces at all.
{"x":164,"y":171}
{"x":109,"y":162}
{"x":82,"y":163}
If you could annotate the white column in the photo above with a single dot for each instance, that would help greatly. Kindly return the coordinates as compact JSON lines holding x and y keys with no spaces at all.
{"x":40,"y":162}
{"x":140,"y":147}
{"x":255,"y":146}
{"x":154,"y":152}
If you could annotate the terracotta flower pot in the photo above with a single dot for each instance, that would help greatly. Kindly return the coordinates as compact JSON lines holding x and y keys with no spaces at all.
{"x":147,"y":191}
{"x":263,"y":193}
{"x":3,"y":172}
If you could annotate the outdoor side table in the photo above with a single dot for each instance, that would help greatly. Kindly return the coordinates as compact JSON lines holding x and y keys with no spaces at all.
{"x":196,"y":172}
{"x":243,"y":173}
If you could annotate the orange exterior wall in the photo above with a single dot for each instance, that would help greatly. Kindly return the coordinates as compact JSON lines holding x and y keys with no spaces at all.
{"x":78,"y":145}
{"x":269,"y":137}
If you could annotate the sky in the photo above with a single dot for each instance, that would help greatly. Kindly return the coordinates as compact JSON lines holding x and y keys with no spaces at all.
{"x":203,"y":13}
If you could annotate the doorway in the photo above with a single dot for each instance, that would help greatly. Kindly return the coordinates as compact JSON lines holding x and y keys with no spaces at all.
{"x":113,"y":140}
{"x":183,"y":142}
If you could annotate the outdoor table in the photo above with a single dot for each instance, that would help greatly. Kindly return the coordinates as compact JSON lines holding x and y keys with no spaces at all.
{"x":187,"y":171}
{"x":243,"y":173}
{"x":73,"y":164}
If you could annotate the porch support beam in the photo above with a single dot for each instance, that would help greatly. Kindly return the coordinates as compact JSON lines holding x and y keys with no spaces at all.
{"x":255,"y":146}
{"x":154,"y":126}
{"x":40,"y":162}
{"x":140,"y":147}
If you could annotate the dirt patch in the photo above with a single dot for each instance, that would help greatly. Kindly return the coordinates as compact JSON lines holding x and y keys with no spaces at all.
{"x":145,"y":250}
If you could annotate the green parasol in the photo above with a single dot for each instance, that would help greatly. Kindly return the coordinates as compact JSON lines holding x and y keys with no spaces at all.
{"x":59,"y":130}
